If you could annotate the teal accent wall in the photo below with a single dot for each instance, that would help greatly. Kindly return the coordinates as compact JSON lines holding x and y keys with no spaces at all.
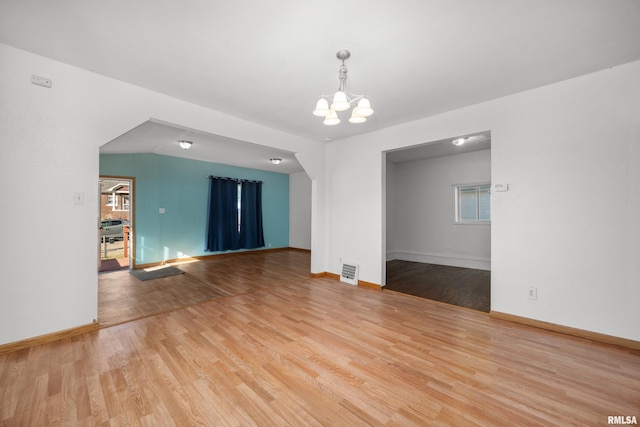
{"x":181,"y":187}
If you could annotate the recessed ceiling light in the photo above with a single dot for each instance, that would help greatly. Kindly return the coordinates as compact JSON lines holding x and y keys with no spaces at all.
{"x":458,"y":141}
{"x":275,"y":160}
{"x":185,"y":145}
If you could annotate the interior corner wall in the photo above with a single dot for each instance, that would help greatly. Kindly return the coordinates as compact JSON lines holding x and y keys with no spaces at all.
{"x":181,"y":188}
{"x":300,"y":211}
{"x":424,"y":210}
{"x":50,"y":159}
{"x":568,"y":224}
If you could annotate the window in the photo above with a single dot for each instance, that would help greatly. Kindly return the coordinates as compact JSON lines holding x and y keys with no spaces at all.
{"x":473,"y":204}
{"x":115,"y":200}
{"x":112,"y":200}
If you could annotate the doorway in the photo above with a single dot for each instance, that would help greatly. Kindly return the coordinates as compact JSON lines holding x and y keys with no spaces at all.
{"x":115,"y":239}
{"x":434,"y":248}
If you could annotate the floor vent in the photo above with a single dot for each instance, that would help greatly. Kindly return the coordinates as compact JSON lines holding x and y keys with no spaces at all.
{"x":349,"y":273}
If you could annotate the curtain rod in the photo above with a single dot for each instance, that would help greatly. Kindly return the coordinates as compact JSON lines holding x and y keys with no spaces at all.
{"x":233,"y":179}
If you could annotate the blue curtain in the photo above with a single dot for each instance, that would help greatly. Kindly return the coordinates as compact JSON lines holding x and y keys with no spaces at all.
{"x":222,"y":223}
{"x":251,"y":232}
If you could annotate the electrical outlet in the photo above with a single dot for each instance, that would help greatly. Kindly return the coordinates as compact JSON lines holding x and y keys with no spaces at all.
{"x":532,"y":293}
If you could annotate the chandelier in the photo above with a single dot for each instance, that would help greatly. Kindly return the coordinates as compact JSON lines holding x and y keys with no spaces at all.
{"x":342,"y":100}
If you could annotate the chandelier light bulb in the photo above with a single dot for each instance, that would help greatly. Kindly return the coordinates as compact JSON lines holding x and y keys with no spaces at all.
{"x":364,"y":108}
{"x":331,"y":119}
{"x":340,"y":102}
{"x":357,"y":118}
{"x":322,"y":108}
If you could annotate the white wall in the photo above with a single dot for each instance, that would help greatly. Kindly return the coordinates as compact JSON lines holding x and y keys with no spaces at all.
{"x":423,"y":209}
{"x":354,"y":207}
{"x":299,"y":211}
{"x":569,"y":224}
{"x":50,"y":141}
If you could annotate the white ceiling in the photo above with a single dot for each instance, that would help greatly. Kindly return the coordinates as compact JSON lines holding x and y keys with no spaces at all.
{"x":161,"y":138}
{"x":269,"y":61}
{"x":475,"y":142}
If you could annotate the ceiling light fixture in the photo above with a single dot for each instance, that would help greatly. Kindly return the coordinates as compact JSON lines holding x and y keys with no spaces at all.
{"x":185,"y":145}
{"x":459,"y":141}
{"x":275,"y":160}
{"x":342,"y":100}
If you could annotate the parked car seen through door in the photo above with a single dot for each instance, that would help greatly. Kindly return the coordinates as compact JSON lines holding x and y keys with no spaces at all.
{"x":113,"y":229}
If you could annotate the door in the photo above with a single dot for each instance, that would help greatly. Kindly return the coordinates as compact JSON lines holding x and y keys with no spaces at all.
{"x":116,"y":225}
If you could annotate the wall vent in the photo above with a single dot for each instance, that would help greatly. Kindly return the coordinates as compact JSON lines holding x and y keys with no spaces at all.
{"x":349,"y":273}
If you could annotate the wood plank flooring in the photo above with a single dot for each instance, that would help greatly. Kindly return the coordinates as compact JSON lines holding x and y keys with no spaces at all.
{"x":317,"y":352}
{"x":464,"y":287}
{"x":122,"y":297}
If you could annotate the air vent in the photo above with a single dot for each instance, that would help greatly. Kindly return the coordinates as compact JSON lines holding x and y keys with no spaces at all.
{"x":349,"y":273}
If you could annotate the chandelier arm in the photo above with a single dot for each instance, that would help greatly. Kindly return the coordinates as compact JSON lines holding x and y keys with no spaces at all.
{"x":351,"y":97}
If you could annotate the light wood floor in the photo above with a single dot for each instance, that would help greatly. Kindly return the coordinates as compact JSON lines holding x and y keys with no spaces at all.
{"x":122,"y":297}
{"x":300,"y":351}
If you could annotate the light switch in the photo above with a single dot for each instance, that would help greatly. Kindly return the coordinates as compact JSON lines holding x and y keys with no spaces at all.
{"x":501,"y":188}
{"x":161,"y":210}
{"x":41,"y":81}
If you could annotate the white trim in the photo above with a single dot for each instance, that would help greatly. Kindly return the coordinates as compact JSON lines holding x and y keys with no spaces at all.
{"x":480,"y":263}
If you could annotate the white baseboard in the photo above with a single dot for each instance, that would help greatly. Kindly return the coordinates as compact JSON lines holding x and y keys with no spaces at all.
{"x":478,"y":263}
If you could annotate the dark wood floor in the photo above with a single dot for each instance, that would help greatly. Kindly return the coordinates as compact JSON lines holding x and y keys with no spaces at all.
{"x":286,"y":349}
{"x":464,"y":287}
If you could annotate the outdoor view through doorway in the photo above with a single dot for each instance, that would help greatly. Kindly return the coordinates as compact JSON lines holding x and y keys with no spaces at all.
{"x":116,"y":197}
